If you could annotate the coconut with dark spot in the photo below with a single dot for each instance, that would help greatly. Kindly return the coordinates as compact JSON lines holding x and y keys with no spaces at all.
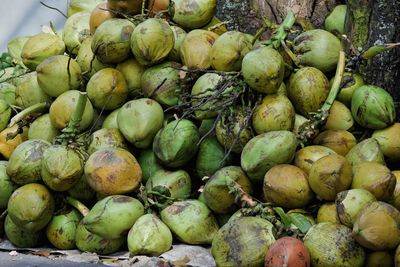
{"x":191,"y":222}
{"x":61,"y":229}
{"x":332,"y":245}
{"x":263,"y":70}
{"x":112,"y":171}
{"x":152,"y":41}
{"x":20,"y":237}
{"x":192,"y":14}
{"x":111,"y":40}
{"x":31,"y":207}
{"x":113,"y":216}
{"x":25,"y":163}
{"x":243,"y":242}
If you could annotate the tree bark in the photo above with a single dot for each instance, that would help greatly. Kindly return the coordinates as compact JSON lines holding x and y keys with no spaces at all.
{"x":246,"y":15}
{"x":376,"y":22}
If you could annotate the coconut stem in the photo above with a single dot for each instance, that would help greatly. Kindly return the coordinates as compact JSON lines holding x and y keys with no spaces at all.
{"x":37,"y":108}
{"x":336,"y":83}
{"x":78,"y":205}
{"x":70,"y":132}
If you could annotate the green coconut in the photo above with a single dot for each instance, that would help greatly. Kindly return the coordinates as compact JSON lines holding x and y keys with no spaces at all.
{"x":149,"y":236}
{"x":15,"y":46}
{"x":389,"y":142}
{"x":28,"y":92}
{"x":90,"y":242}
{"x":266,"y":150}
{"x":7,"y":93}
{"x":176,"y":143}
{"x":179,"y":36}
{"x":335,"y":21}
{"x":31,"y":207}
{"x":373,"y":107}
{"x":162,"y":83}
{"x":149,"y":163}
{"x":350,"y":202}
{"x":210,"y":157}
{"x":5,"y":114}
{"x":169,"y":184}
{"x":233,"y":131}
{"x":274,"y":113}
{"x":287,"y":186}
{"x":243,"y":242}
{"x":340,"y":141}
{"x":42,"y":129}
{"x":329,"y":176}
{"x":308,"y":89}
{"x":62,"y":167}
{"x":376,"y":178}
{"x":319,"y":49}
{"x":62,"y":108}
{"x":40,"y":47}
{"x":7,"y":187}
{"x":58,"y":74}
{"x":76,"y":6}
{"x":229,"y":50}
{"x":192,"y":15}
{"x":132,"y":71}
{"x":87,"y":61}
{"x":61,"y":230}
{"x":25,"y":162}
{"x":205,"y":87}
{"x":350,"y":83}
{"x":129,"y":7}
{"x":101,"y":219}
{"x":263,"y":70}
{"x":139,"y":120}
{"x":190,"y":221}
{"x":110,"y":120}
{"x":113,"y":171}
{"x":217,"y":193}
{"x":11,"y":75}
{"x":151,"y":41}
{"x":20,"y":237}
{"x":105,"y":138}
{"x":377,"y":226}
{"x":367,"y":150}
{"x":196,"y":48}
{"x":76,"y":29}
{"x":332,"y":245}
{"x":112,"y":39}
{"x":107,"y":89}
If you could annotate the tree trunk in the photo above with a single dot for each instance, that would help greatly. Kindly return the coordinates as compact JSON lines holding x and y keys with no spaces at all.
{"x":246,"y":15}
{"x":374,"y":22}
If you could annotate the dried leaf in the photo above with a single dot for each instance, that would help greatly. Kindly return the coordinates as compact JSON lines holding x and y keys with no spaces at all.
{"x":181,"y":262}
{"x":43,"y":253}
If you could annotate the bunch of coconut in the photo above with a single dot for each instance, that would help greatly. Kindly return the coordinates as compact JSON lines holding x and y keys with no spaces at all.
{"x":140,"y":124}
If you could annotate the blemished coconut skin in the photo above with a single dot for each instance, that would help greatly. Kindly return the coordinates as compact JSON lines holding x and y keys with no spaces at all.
{"x":287,"y":186}
{"x":377,"y":226}
{"x":332,"y":245}
{"x":113,"y":171}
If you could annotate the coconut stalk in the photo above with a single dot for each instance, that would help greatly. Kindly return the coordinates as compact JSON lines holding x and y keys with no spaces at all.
{"x":24,"y":114}
{"x":77,"y":205}
{"x":70,"y":132}
{"x":310,"y":128}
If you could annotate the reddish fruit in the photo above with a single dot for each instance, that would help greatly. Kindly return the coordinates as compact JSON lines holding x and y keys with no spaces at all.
{"x":287,"y":252}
